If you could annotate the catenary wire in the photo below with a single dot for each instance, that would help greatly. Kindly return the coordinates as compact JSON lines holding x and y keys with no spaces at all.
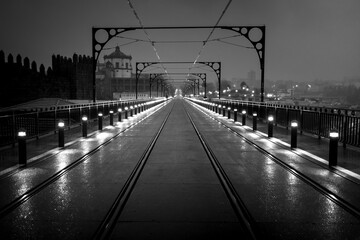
{"x":147,"y":35}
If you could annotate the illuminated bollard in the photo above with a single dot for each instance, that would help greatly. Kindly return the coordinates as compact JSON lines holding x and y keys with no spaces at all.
{"x":214,"y":107}
{"x":111,"y":112}
{"x":223,"y":110}
{"x":22,"y":146}
{"x":131,"y":111}
{"x":333,"y":147}
{"x":270,"y":126}
{"x":219,"y":108}
{"x":254,"y":121}
{"x":100,"y":121}
{"x":294,"y":129}
{"x":119,"y":114}
{"x":126,"y":112}
{"x":61,"y":128}
{"x":84,"y":126}
{"x":135,"y":109}
{"x":229,"y":113}
{"x":235,"y":115}
{"x":243,"y":115}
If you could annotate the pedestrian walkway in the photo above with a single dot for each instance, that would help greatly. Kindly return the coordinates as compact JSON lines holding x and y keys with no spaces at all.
{"x":47,"y":145}
{"x":348,"y":158}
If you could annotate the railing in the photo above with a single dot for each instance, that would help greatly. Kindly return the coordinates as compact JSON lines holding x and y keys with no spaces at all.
{"x":315,"y":120}
{"x":39,"y":123}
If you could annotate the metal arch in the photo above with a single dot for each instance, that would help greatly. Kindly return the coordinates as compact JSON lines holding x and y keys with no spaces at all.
{"x":202,"y":76}
{"x":259,"y":46}
{"x":215,"y":66}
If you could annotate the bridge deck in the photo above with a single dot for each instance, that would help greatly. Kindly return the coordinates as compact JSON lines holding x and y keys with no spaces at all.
{"x":168,"y":186}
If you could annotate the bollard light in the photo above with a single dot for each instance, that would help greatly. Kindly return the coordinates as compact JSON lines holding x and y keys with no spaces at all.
{"x":119,"y":114}
{"x":111,"y":113}
{"x":100,"y":121}
{"x":135,"y":109}
{"x":235,"y":115}
{"x":243,"y":112}
{"x":84,"y":126}
{"x":294,"y":130}
{"x":131,"y":111}
{"x":61,"y":127}
{"x":229,"y":109}
{"x":126,"y":112}
{"x":254,"y":121}
{"x":270,"y":126}
{"x":333,"y":147}
{"x":223,"y":110}
{"x":22,"y":146}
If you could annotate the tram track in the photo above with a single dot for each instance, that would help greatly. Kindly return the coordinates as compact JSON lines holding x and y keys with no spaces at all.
{"x":335,"y":198}
{"x":108,"y":224}
{"x":18,"y":201}
{"x":238,"y":205}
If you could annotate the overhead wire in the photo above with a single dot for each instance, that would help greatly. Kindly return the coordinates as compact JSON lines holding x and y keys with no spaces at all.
{"x":212,"y":31}
{"x":147,"y":35}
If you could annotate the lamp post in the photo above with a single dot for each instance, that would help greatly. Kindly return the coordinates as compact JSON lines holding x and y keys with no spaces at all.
{"x":111,"y":112}
{"x":61,"y":127}
{"x":126,"y":112}
{"x":254,"y":121}
{"x":243,"y":112}
{"x":131,"y":111}
{"x":270,"y":126}
{"x":22,"y":146}
{"x":100,"y":121}
{"x":119,"y":114}
{"x":294,"y":129}
{"x":84,"y":120}
{"x":333,"y":147}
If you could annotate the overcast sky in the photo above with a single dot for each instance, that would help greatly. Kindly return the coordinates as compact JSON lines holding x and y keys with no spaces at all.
{"x":305,"y":40}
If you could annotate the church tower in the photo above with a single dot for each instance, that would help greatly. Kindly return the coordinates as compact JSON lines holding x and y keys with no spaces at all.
{"x":119,"y":63}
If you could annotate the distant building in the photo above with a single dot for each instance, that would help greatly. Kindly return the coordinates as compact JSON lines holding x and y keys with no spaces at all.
{"x":114,"y":77}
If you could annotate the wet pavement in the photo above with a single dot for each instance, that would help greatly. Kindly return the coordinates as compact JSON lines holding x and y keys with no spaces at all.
{"x":178,"y":194}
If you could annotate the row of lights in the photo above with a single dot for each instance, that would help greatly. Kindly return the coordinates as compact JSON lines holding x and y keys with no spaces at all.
{"x":61,"y":127}
{"x":137,"y":108}
{"x":333,"y":135}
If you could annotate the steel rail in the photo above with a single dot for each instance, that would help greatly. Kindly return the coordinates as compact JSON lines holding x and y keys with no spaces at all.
{"x":108,"y":224}
{"x":238,"y":205}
